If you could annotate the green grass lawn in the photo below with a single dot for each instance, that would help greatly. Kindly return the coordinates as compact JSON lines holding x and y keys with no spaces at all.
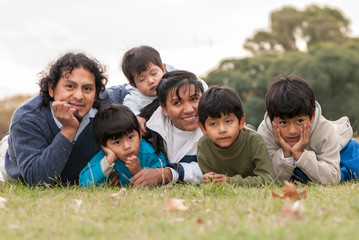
{"x":215,"y":212}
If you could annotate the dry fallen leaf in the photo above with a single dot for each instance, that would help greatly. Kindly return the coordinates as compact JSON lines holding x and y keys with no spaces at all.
{"x":122,"y":192}
{"x":78,"y":204}
{"x":200,"y":221}
{"x":175,"y":204}
{"x":291,"y":212}
{"x":2,"y":202}
{"x":290,"y":191}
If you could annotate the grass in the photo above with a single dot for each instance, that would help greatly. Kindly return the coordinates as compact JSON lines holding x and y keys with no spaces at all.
{"x":215,"y":212}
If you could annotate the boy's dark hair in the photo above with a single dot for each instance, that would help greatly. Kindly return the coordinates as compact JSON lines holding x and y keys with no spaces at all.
{"x":137,"y":60}
{"x":65,"y":65}
{"x":114,"y":121}
{"x":176,"y":80}
{"x":219,"y":100}
{"x":290,"y":96}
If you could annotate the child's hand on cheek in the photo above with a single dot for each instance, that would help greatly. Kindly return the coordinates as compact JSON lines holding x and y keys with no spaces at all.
{"x":287,"y":149}
{"x":110,"y":155}
{"x":133,"y":165}
{"x":298,"y":148}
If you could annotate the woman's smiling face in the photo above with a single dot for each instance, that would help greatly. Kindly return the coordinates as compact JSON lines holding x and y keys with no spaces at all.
{"x":183,"y":109}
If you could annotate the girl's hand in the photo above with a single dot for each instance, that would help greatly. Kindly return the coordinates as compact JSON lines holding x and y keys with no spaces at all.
{"x":133,"y":165}
{"x":110,"y":155}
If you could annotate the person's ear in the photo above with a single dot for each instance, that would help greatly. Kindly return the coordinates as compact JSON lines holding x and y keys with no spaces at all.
{"x":313,"y":116}
{"x":51,"y":90}
{"x":164,"y":110}
{"x":133,"y":84}
{"x":164,"y":68}
{"x":202,"y":128}
{"x":242,"y":122}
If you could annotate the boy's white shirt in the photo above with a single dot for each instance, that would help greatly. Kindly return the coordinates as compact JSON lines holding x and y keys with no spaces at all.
{"x":135,"y":100}
{"x":321,"y":157}
{"x":179,"y":143}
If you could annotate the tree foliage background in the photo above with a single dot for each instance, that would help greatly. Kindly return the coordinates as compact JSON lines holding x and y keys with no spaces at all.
{"x":328,"y":59}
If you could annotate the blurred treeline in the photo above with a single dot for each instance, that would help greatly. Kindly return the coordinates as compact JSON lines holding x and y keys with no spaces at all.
{"x":314,"y":43}
{"x":7,"y":108}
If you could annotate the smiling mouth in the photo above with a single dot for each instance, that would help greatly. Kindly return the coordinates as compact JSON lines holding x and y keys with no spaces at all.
{"x":78,"y":106}
{"x":189,"y":119}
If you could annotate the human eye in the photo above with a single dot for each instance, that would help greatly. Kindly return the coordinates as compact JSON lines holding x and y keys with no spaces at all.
{"x":229,"y":121}
{"x":176,"y":102}
{"x":70,"y":86}
{"x":212,"y":124}
{"x":154,"y":73}
{"x":283,"y":123}
{"x":300,"y":121}
{"x":195,"y":98}
{"x":116,"y":142}
{"x":130,"y":137}
{"x":88,"y":88}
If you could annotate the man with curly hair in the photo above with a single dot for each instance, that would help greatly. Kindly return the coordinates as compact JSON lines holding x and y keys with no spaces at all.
{"x":50,"y":138}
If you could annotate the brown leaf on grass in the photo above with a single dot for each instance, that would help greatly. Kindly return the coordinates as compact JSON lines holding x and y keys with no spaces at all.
{"x":291,"y":212}
{"x":200,"y":221}
{"x":290,"y":191}
{"x":111,"y":199}
{"x":175,"y":204}
{"x":2,"y":202}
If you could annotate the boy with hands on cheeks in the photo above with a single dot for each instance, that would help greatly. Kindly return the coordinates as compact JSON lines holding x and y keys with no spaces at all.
{"x":117,"y":130}
{"x":292,"y":135}
{"x":303,"y":145}
{"x":229,"y":152}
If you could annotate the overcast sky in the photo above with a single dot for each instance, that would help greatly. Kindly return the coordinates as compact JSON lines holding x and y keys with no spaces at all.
{"x":189,"y":34}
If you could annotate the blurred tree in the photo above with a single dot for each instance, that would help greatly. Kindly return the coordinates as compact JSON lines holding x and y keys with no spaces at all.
{"x":291,"y":29}
{"x":331,"y":69}
{"x":7,"y":108}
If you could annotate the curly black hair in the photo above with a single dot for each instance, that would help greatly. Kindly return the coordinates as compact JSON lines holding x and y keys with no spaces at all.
{"x":66,"y":64}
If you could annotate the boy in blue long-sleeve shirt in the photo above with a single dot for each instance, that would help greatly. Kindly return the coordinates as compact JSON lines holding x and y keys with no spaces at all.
{"x":117,"y":130}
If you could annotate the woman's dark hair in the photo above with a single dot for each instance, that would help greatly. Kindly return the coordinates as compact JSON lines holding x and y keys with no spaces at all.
{"x":176,"y":80}
{"x":219,"y":100}
{"x":114,"y":121}
{"x":171,"y":80}
{"x":150,"y":136}
{"x":65,"y":65}
{"x":290,"y":96}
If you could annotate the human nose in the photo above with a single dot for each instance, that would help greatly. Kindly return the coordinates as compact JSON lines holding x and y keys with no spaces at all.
{"x":292,"y":129}
{"x":151,"y":80}
{"x":188,"y":108}
{"x":78,"y":94}
{"x":221,"y":128}
{"x":126,"y":145}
